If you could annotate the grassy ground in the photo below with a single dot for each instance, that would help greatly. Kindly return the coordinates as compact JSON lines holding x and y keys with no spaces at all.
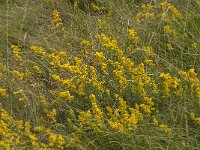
{"x":90,"y":74}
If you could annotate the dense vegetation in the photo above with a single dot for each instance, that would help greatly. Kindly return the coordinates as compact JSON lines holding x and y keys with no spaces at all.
{"x":99,"y":74}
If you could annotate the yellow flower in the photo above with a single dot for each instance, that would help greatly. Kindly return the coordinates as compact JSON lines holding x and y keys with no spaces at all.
{"x":163,"y":126}
{"x":149,"y":62}
{"x":170,"y":82}
{"x":155,"y":121}
{"x":67,"y":95}
{"x":192,"y":115}
{"x":27,"y":128}
{"x":133,"y":35}
{"x":169,"y":46}
{"x":98,"y":114}
{"x":138,"y":17}
{"x":52,"y":139}
{"x":117,"y":125}
{"x":85,"y":117}
{"x":191,"y":77}
{"x":16,"y":53}
{"x":38,"y":50}
{"x":99,"y":57}
{"x":86,"y":43}
{"x":3,"y":92}
{"x":39,"y":128}
{"x":19,"y":75}
{"x":197,"y":119}
{"x":52,"y":115}
{"x":57,"y":21}
{"x":175,"y":12}
{"x":167,"y":29}
{"x":33,"y":139}
{"x":61,"y":141}
{"x":20,"y":93}
{"x":95,"y":7}
{"x":110,"y":44}
{"x":37,"y":69}
{"x":76,"y":4}
{"x":194,"y":45}
{"x":55,"y":77}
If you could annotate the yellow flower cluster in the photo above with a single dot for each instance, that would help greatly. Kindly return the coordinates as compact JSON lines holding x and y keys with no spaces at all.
{"x":94,"y":80}
{"x":98,"y":114}
{"x":66,"y":95}
{"x":110,"y":44}
{"x":119,"y":74}
{"x":191,"y":77}
{"x":96,"y":8}
{"x":161,"y":126}
{"x":124,"y":118}
{"x":87,"y":43}
{"x":193,"y":117}
{"x":171,"y":82}
{"x":16,"y":53}
{"x":38,"y":50}
{"x":3,"y":92}
{"x":133,"y":35}
{"x":194,"y":45}
{"x":57,"y":21}
{"x":17,"y":135}
{"x":85,"y":117}
{"x":37,"y":69}
{"x":167,"y":29}
{"x":19,"y":75}
{"x":20,"y":94}
{"x":52,"y":115}
{"x":56,"y":59}
{"x":167,"y":6}
{"x":148,"y":7}
{"x":163,"y":10}
{"x":56,"y":141}
{"x":99,"y":57}
{"x":142,"y":80}
{"x":8,"y":137}
{"x":166,"y":129}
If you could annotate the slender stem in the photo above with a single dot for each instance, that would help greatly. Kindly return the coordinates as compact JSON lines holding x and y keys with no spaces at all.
{"x":8,"y":56}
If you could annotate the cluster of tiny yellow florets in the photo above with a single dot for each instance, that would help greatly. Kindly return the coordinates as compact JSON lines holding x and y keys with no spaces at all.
{"x":171,"y":82}
{"x":3,"y":92}
{"x":133,"y":35}
{"x":92,"y":118}
{"x":163,"y":10}
{"x":110,"y":44}
{"x":57,"y":21}
{"x":96,"y":8}
{"x":168,"y":30}
{"x":166,"y":6}
{"x":124,"y":118}
{"x":19,"y":134}
{"x":192,"y":78}
{"x":193,"y":117}
{"x":38,"y":50}
{"x":87,"y":43}
{"x":16,"y":53}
